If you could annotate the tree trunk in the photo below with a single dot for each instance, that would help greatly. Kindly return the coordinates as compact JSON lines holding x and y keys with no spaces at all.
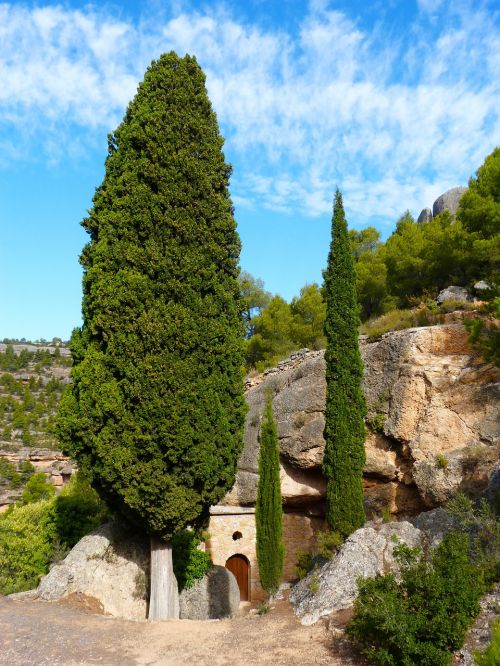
{"x":164,"y":594}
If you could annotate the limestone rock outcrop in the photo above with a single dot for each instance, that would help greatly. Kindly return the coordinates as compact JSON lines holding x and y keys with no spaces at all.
{"x":109,"y":565}
{"x":367,"y":552}
{"x":448,"y":201}
{"x":54,"y":464}
{"x":440,"y":404}
{"x":425,"y":216}
{"x":432,"y":417}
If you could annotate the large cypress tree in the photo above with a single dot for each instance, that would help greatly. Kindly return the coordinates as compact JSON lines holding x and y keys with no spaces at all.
{"x":156,"y":411}
{"x":345,"y":405}
{"x":268,"y":509}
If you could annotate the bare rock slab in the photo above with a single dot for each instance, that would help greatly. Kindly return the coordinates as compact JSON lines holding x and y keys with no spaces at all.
{"x":366,"y":553}
{"x":449,"y":201}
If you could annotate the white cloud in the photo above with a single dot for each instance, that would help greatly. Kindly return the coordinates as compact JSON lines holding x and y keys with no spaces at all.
{"x":430,"y":6}
{"x":391,"y":124}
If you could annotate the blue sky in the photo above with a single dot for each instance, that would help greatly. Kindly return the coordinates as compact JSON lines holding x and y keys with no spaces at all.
{"x":393,"y":101}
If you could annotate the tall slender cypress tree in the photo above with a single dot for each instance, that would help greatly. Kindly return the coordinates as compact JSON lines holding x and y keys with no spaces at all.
{"x":268,"y":509}
{"x":345,"y":405}
{"x":156,"y":411}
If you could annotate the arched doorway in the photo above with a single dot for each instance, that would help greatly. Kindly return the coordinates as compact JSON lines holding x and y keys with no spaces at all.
{"x":239,"y":566}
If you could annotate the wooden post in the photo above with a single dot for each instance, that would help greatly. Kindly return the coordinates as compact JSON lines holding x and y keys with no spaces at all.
{"x":164,"y":594}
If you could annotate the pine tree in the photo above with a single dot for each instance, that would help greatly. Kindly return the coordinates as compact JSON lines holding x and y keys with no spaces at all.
{"x":268,"y":509}
{"x":155,"y":412}
{"x":345,"y":405}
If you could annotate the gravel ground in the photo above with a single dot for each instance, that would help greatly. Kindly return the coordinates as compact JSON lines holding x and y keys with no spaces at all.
{"x":34,"y":632}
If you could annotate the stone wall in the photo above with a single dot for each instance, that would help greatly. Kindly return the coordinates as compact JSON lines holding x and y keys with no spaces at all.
{"x":299,"y":532}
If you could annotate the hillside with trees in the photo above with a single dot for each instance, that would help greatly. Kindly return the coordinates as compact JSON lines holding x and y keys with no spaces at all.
{"x":31,"y":384}
{"x":397,"y":281}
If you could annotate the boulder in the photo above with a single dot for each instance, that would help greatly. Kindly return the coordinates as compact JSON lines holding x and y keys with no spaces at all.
{"x":425,"y":216}
{"x":435,"y":525}
{"x":367,"y":552}
{"x":448,"y":201}
{"x":482,"y":288}
{"x":453,"y":293}
{"x":110,"y":565}
{"x":215,"y":596}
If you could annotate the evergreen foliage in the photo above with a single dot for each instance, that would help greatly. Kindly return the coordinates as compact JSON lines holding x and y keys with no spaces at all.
{"x":268,"y":509}
{"x":190,"y":563}
{"x":38,"y":488}
{"x":26,"y":537}
{"x":479,"y":213}
{"x":155,"y":412}
{"x":345,"y":405}
{"x":77,"y":511}
{"x":28,"y":402}
{"x":371,"y":272}
{"x":281,"y":328}
{"x":422,"y":617}
{"x":308,"y":311}
{"x":255,"y":298}
{"x":42,"y":527}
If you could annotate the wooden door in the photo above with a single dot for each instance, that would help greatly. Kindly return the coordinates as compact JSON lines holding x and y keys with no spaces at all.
{"x":239,"y":566}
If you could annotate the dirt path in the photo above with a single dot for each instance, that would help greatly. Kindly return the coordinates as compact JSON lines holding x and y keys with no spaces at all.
{"x":37,"y":632}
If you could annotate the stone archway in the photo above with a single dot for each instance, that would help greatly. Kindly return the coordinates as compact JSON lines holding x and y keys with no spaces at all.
{"x":239,"y":566}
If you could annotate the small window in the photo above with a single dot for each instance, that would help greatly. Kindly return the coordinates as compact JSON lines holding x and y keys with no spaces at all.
{"x":237,"y":535}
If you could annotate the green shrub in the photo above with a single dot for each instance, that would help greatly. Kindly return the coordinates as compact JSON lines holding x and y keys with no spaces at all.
{"x":26,"y":536}
{"x":485,"y":337}
{"x":427,"y":314}
{"x":39,"y":531}
{"x":491,"y":656}
{"x":377,"y":422}
{"x":304,"y":563}
{"x":395,"y":320}
{"x":314,"y":581}
{"x":328,"y":543}
{"x":26,"y":469}
{"x":9,"y":474}
{"x":77,"y":511}
{"x":38,"y":488}
{"x":482,"y":526}
{"x":386,"y":515}
{"x":190,"y":563}
{"x":423,"y":617}
{"x":442,"y":461}
{"x":263,"y":608}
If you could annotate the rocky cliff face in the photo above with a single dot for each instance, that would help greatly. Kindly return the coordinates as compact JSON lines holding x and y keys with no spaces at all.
{"x":433,"y":422}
